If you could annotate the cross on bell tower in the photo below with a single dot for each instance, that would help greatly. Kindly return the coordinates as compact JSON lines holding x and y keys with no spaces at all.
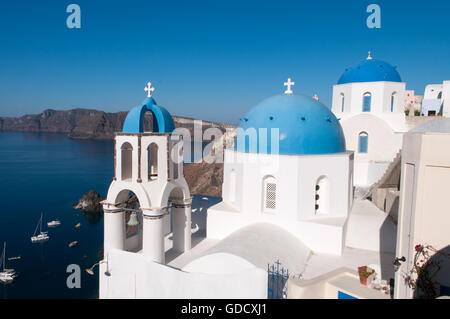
{"x":288,"y":84}
{"x":149,"y":89}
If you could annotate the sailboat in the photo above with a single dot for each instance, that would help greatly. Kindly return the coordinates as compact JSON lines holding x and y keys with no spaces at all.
{"x":43,"y":236}
{"x":6,"y":275}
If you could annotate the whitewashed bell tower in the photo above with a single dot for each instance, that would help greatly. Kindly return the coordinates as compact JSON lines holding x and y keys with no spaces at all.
{"x":149,"y":164}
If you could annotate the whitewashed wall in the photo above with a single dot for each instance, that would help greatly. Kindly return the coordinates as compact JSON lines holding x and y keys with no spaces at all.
{"x":135,"y":276}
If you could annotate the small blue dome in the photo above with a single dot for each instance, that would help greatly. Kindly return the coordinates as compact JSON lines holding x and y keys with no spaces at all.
{"x":370,"y":70}
{"x":162,"y":120}
{"x":305,"y":125}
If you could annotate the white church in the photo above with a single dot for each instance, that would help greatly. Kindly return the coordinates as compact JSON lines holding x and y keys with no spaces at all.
{"x":287,"y":197}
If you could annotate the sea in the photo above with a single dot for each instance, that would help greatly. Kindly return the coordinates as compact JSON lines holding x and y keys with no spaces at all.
{"x":46,"y":173}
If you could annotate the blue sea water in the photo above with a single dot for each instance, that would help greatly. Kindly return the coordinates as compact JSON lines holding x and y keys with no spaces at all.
{"x":47,"y":173}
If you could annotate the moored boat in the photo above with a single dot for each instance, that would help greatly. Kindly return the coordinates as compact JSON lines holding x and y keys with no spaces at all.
{"x":73,"y":244}
{"x":54,"y":223}
{"x":6,"y":275}
{"x":43,"y":236}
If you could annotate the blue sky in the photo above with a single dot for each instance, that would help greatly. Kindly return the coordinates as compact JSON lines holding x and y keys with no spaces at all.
{"x":212,"y":60}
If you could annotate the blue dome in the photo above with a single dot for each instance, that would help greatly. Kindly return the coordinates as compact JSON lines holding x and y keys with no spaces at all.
{"x":162,"y":120}
{"x":370,"y":70}
{"x":305,"y":125}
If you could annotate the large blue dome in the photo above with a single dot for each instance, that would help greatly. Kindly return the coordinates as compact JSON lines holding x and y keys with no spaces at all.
{"x":305,"y":125}
{"x":370,"y":70}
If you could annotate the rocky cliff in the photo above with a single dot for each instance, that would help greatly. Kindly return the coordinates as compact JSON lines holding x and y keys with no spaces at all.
{"x":202,"y":178}
{"x":88,"y":124}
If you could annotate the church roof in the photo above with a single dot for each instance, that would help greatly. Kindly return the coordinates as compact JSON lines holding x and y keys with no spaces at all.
{"x":370,"y":70}
{"x":305,"y":125}
{"x":162,"y":120}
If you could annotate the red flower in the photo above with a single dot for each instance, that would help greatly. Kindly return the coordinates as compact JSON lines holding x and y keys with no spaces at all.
{"x":419,"y":247}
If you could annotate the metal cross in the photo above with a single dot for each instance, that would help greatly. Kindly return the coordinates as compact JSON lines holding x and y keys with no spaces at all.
{"x":149,"y":89}
{"x":288,"y":84}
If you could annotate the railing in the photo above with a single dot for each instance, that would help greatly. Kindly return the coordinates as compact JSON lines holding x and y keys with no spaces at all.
{"x":277,"y":281}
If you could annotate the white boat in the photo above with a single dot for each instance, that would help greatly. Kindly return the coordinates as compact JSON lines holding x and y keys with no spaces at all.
{"x":54,"y":223}
{"x":43,"y":236}
{"x":14,"y":258}
{"x":6,"y":275}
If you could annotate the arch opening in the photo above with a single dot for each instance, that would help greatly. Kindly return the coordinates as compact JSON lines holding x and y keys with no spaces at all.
{"x":152,"y":153}
{"x":367,"y":102}
{"x":363,"y":143}
{"x":179,"y":222}
{"x":393,"y":101}
{"x":127,"y":161}
{"x":132,"y":220}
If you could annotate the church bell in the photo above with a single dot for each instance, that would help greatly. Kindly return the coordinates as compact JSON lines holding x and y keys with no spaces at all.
{"x":133,"y":221}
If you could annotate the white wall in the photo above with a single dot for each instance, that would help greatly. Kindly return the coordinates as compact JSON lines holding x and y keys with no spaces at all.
{"x":381,"y":97}
{"x":384,"y":142}
{"x":432,"y":91}
{"x":135,"y":276}
{"x":424,"y":202}
{"x":296,"y":177}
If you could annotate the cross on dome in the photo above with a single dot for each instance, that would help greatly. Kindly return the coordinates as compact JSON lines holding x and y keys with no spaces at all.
{"x":288,"y":84}
{"x":149,"y":89}
{"x":369,"y":57}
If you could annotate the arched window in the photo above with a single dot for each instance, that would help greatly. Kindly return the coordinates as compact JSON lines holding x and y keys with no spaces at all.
{"x":152,"y":161}
{"x":127,"y":160}
{"x":342,"y":102}
{"x":393,"y":101}
{"x":363,"y":142}
{"x":322,"y":196}
{"x":270,"y":194}
{"x":367,"y":102}
{"x":439,"y":95}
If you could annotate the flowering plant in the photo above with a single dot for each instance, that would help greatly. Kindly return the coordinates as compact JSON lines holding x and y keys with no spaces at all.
{"x":422,"y":275}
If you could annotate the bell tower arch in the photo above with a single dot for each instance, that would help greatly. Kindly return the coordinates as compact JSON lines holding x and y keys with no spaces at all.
{"x":144,"y":164}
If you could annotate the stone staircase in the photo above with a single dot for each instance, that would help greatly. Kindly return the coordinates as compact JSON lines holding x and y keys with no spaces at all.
{"x":391,"y":178}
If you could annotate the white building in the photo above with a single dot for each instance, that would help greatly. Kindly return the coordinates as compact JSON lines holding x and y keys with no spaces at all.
{"x":436,"y":100}
{"x":289,"y":168}
{"x":369,"y":101}
{"x":287,"y":196}
{"x":136,"y":265}
{"x":423,"y":216}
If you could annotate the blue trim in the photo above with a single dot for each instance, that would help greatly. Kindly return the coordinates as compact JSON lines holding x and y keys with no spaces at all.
{"x":343,"y":295}
{"x":162,"y":120}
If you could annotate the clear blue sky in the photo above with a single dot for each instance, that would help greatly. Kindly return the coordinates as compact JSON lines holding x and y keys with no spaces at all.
{"x":211,"y":59}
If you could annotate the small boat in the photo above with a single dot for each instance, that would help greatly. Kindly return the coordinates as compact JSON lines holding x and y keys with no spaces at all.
{"x":78,"y":225}
{"x":73,"y":244}
{"x":15,"y":258}
{"x":43,"y":236}
{"x":6,"y":275}
{"x":54,"y":223}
